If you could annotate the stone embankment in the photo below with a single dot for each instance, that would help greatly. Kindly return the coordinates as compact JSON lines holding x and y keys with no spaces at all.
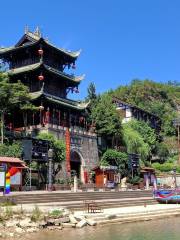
{"x":17,"y":222}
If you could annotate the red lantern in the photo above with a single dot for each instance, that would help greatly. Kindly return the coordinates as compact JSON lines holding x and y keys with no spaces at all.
{"x":40,"y":51}
{"x":41,"y":77}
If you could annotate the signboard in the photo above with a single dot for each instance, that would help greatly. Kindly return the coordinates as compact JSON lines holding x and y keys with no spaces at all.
{"x":109,"y":167}
{"x":2,"y":179}
{"x":16,"y":179}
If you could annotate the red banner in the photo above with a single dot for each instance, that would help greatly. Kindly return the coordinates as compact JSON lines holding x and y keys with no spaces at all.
{"x":68,"y":150}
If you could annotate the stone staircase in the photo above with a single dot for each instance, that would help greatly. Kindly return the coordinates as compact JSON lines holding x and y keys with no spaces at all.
{"x":75,"y":201}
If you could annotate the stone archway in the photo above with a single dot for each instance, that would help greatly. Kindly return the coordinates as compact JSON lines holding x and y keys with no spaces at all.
{"x":76,"y":163}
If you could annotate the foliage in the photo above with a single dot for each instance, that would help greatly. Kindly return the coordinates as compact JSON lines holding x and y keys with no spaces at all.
{"x":147,"y":133}
{"x":158,"y":98}
{"x":165,"y":167}
{"x":56,"y":213}
{"x":162,"y":151}
{"x":57,"y":145}
{"x":11,"y":150}
{"x":8,"y":202}
{"x":135,"y":143}
{"x":135,"y":180}
{"x":115,"y":158}
{"x":36,"y":214}
{"x":106,"y":118}
{"x":59,"y":151}
{"x":11,"y":95}
{"x":173,"y":159}
{"x":8,"y":212}
{"x":91,"y":92}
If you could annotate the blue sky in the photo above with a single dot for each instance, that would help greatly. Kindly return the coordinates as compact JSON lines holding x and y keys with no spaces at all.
{"x":121,"y":39}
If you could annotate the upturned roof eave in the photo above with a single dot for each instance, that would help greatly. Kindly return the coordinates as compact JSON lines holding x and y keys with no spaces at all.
{"x":35,"y":66}
{"x":73,"y":54}
{"x":61,"y":101}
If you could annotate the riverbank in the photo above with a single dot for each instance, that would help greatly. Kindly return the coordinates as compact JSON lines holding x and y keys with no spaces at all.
{"x":17,"y":221}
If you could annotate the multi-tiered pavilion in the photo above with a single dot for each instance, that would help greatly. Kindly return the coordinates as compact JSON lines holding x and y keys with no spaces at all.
{"x":48,"y":71}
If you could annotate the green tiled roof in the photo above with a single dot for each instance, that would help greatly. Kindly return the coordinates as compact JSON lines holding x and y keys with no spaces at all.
{"x":35,"y":66}
{"x":61,"y":101}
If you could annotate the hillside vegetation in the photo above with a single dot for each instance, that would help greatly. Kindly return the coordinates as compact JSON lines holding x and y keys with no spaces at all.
{"x":158,"y":98}
{"x":161,"y":99}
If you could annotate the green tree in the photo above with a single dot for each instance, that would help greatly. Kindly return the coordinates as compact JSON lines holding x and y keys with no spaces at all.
{"x":115,"y":158}
{"x":58,"y":147}
{"x":11,"y":150}
{"x":11,"y":95}
{"x":135,"y":143}
{"x":158,"y":98}
{"x":91,"y":92}
{"x":106,"y":118}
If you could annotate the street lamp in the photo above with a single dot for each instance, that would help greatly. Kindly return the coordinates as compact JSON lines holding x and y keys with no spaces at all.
{"x":50,"y":157}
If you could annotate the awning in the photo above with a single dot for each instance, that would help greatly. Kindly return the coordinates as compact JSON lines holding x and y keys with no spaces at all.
{"x":15,"y":162}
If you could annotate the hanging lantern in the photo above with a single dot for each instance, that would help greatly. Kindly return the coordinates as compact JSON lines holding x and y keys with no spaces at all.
{"x":73,"y":66}
{"x":41,"y":77}
{"x":40,"y":51}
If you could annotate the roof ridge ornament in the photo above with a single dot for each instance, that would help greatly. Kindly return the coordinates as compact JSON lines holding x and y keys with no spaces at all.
{"x":26,"y":29}
{"x":37,"y":32}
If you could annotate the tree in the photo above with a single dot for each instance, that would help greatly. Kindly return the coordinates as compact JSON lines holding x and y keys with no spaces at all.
{"x":115,"y":158}
{"x":106,"y":118}
{"x":147,"y":133}
{"x":58,"y":147}
{"x":157,"y":98}
{"x":11,"y":95}
{"x":11,"y":150}
{"x":91,"y":92}
{"x":135,"y":143}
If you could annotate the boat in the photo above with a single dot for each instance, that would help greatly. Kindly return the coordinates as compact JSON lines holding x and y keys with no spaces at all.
{"x":167,"y":196}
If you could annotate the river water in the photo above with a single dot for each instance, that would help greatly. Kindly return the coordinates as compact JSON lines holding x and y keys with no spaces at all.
{"x":166,"y":229}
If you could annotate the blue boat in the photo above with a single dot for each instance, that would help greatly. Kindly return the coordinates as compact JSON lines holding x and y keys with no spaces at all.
{"x":167,"y":196}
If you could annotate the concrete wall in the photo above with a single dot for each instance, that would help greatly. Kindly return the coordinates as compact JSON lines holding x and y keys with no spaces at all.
{"x":168,"y":180}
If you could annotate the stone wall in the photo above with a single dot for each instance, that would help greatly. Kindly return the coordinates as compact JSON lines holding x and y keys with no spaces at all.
{"x":82,"y":142}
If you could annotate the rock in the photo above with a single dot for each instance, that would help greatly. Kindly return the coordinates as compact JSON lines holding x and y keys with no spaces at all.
{"x":31,"y":230}
{"x":54,"y":227}
{"x":42,"y":224}
{"x":81,"y":224}
{"x":64,"y":220}
{"x":19,"y":230}
{"x":57,"y":222}
{"x":91,"y":222}
{"x":11,"y":234}
{"x":72,"y":219}
{"x":12,"y":223}
{"x":1,"y":235}
{"x":68,"y":225}
{"x":50,"y":221}
{"x":111,"y":216}
{"x":25,"y":223}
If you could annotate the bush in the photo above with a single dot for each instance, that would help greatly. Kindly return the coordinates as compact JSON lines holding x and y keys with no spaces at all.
{"x":56,"y":213}
{"x":165,"y":167}
{"x":135,"y":180}
{"x":36,"y":214}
